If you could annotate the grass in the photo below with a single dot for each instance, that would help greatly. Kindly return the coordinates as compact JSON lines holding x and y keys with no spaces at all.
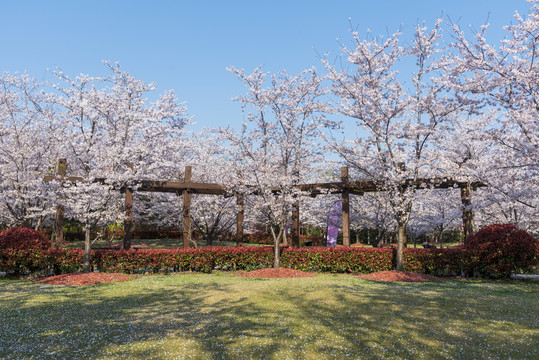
{"x":222,"y":316}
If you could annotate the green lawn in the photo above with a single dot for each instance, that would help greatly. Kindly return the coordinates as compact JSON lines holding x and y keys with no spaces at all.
{"x":222,"y":316}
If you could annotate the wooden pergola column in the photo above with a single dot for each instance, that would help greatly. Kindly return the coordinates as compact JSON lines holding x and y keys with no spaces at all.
{"x":128,"y":222}
{"x":468,"y":221}
{"x":239,"y":220}
{"x":186,"y":220}
{"x":345,"y":207}
{"x":60,"y":210}
{"x":295,"y":224}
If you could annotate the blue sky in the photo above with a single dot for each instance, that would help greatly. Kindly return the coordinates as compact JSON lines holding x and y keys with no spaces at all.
{"x":187,"y":45}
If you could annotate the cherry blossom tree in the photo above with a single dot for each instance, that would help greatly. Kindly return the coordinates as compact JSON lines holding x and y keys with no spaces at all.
{"x":111,"y":131}
{"x":27,"y":152}
{"x":504,"y":80}
{"x":277,"y":145}
{"x":397,"y":118}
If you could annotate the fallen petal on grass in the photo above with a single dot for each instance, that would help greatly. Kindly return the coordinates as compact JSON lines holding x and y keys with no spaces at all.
{"x":405,"y":276}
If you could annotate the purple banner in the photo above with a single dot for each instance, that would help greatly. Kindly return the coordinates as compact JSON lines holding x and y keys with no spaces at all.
{"x":334,"y":222}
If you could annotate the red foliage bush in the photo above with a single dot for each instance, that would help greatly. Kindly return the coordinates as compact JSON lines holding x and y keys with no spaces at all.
{"x":502,"y":249}
{"x":23,"y":238}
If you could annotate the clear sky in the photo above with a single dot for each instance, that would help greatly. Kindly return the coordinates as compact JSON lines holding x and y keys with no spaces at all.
{"x":187,"y":45}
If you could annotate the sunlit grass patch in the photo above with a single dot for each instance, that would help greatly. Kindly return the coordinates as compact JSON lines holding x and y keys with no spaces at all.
{"x":226,"y":317}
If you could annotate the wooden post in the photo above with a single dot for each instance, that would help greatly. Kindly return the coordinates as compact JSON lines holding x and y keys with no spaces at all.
{"x":295,"y":224}
{"x":128,"y":222}
{"x":59,"y":216}
{"x":239,"y":220}
{"x":186,"y":221}
{"x":468,"y":220}
{"x":345,"y":207}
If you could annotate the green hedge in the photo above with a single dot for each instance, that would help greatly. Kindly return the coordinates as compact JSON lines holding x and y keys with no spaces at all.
{"x":440,"y":262}
{"x":340,"y":260}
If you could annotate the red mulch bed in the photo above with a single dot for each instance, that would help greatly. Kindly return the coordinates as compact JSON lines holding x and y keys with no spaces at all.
{"x":405,"y":276}
{"x":79,"y":279}
{"x":277,"y":273}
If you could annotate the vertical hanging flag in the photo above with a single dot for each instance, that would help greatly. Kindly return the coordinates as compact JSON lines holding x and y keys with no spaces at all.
{"x":334,"y":223}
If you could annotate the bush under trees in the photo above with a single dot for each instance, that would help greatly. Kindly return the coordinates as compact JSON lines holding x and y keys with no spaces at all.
{"x":500,"y":250}
{"x":24,"y":239}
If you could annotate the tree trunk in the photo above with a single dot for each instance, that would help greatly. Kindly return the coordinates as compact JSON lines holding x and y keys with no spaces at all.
{"x":276,"y":248}
{"x":87,"y":248}
{"x":441,"y":238}
{"x":345,"y":208}
{"x":401,"y":240}
{"x":39,"y":224}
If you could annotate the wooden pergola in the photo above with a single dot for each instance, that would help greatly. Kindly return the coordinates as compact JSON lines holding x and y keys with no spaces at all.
{"x":186,"y":188}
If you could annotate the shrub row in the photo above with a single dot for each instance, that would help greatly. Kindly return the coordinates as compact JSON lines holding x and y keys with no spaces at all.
{"x":335,"y":260}
{"x":495,"y":251}
{"x":439,"y":262}
{"x":57,"y":261}
{"x":338,"y":260}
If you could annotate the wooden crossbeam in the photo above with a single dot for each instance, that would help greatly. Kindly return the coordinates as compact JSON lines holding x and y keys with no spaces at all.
{"x":363,"y":186}
{"x":353,"y":187}
{"x":173,"y":186}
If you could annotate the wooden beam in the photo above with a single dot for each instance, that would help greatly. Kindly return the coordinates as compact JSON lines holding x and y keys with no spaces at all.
{"x":186,"y":221}
{"x":345,"y":207}
{"x":172,"y":186}
{"x":353,"y":187}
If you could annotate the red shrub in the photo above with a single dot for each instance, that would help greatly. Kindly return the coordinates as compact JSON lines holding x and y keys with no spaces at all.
{"x":23,"y":238}
{"x":502,"y":249}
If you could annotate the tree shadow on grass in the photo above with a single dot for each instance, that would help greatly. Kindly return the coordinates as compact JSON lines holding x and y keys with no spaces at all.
{"x":228,"y":318}
{"x":443,"y":320}
{"x":144,"y":323}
